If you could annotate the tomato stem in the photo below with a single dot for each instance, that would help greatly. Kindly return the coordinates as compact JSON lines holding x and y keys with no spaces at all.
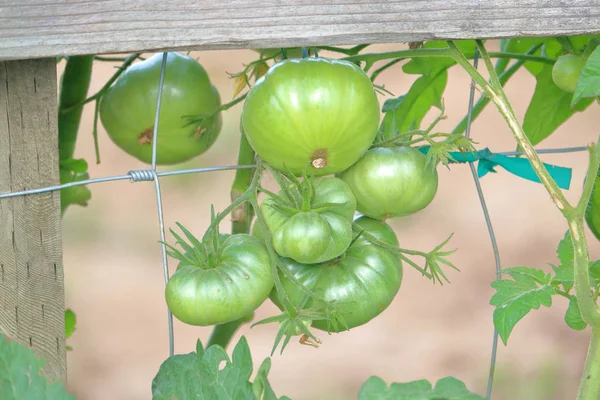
{"x":590,"y":383}
{"x":241,"y":220}
{"x":74,"y":86}
{"x":371,"y":58}
{"x":241,"y":216}
{"x":485,"y":100}
{"x":590,"y":380}
{"x":126,"y":63}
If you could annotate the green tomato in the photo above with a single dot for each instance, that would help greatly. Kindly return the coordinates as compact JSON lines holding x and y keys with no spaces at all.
{"x":221,"y":287}
{"x":592,"y":212}
{"x":391,"y":182}
{"x":314,"y":113}
{"x":317,"y":231}
{"x":361,"y":283}
{"x":128,"y":109}
{"x":566,"y":71}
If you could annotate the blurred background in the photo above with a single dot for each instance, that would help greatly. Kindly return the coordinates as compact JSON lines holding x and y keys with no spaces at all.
{"x":114,"y":278}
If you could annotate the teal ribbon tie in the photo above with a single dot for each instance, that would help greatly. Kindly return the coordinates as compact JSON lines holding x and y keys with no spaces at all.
{"x":521,"y":167}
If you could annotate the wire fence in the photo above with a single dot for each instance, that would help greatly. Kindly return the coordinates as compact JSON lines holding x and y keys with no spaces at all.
{"x":152,"y":175}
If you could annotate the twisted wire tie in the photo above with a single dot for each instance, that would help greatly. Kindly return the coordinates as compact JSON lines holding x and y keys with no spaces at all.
{"x":139,"y":175}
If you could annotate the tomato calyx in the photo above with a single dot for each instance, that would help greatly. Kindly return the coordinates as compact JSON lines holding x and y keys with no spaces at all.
{"x":195,"y":254}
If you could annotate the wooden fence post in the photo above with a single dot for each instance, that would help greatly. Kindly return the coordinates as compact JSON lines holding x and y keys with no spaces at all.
{"x":32,"y":300}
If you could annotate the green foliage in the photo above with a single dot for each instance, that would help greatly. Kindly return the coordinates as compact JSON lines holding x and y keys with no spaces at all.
{"x":549,"y":108}
{"x":529,"y":289}
{"x":588,"y":84}
{"x":73,"y":170}
{"x":202,"y":375}
{"x":407,"y":111}
{"x":573,"y":315}
{"x":448,"y":388}
{"x":70,"y":325}
{"x":20,"y":377}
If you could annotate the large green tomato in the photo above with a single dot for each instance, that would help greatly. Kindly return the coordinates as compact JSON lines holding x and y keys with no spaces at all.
{"x":313,"y":113}
{"x":316,"y":231}
{"x":361,"y":283}
{"x":391,"y":182}
{"x":128,"y":108}
{"x":221,"y":287}
{"x":566,"y":71}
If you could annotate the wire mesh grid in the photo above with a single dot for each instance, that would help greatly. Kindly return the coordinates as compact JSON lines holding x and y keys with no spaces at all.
{"x":152,"y":175}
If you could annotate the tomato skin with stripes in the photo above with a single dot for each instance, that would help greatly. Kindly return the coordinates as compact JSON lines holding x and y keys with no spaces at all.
{"x":361,"y":283}
{"x":312,"y":113}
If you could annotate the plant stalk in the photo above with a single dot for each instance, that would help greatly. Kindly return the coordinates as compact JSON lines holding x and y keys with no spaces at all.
{"x":589,"y":387}
{"x":241,"y":216}
{"x":241,"y":220}
{"x":590,"y":382}
{"x":74,"y":86}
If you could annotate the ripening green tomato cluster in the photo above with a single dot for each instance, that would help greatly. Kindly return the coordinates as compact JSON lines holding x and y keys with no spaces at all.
{"x":316,"y":118}
{"x":320,"y":117}
{"x":128,"y":109}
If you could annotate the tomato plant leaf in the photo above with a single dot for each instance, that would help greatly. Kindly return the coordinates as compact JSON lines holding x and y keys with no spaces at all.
{"x":588,"y":84}
{"x":448,"y":388}
{"x":261,"y":387}
{"x":528,"y":289}
{"x":550,"y":48}
{"x":573,"y":315}
{"x":70,"y":322}
{"x":20,"y":376}
{"x":564,"y":273}
{"x":208,"y":374}
{"x":242,"y":358}
{"x":407,"y":111}
{"x":549,"y":107}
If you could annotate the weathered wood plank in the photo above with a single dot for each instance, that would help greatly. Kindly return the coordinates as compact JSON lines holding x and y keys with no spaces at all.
{"x":43,"y":28}
{"x":32,"y":300}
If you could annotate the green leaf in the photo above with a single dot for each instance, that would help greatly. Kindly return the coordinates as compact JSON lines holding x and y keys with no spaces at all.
{"x":75,"y":195}
{"x":564,"y":273}
{"x":549,"y":107}
{"x":20,"y":377}
{"x":406,"y":112}
{"x":573,"y":315}
{"x":529,"y":289}
{"x":448,"y":388}
{"x":79,"y":165}
{"x":550,"y":48}
{"x":209,"y":374}
{"x":588,"y":84}
{"x":261,"y":387}
{"x":70,"y":323}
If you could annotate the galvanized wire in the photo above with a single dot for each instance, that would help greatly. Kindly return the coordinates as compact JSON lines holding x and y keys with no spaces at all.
{"x":490,"y":228}
{"x":152,"y":175}
{"x":161,"y":221}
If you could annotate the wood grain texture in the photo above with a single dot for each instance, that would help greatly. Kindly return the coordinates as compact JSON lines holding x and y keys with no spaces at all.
{"x":32,"y":303}
{"x":43,"y":28}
